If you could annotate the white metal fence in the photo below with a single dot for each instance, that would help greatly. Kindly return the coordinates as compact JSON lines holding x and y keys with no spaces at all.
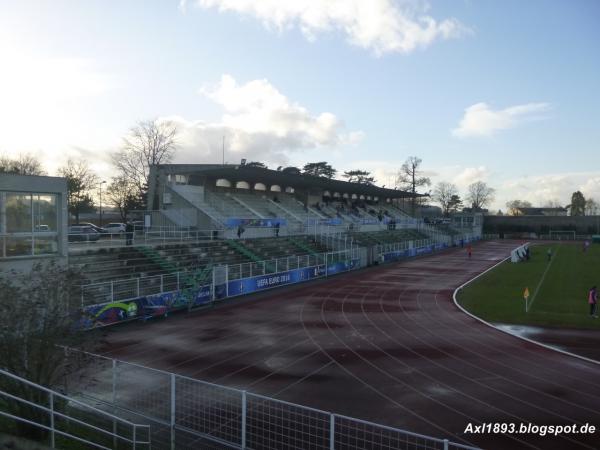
{"x":185,"y":413}
{"x":116,"y":290}
{"x":65,"y":421}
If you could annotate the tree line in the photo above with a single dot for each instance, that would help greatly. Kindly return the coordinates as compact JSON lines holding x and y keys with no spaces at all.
{"x":579,"y":206}
{"x":155,"y":142}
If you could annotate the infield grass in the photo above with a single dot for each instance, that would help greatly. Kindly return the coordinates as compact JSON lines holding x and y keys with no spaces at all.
{"x":558,"y":298}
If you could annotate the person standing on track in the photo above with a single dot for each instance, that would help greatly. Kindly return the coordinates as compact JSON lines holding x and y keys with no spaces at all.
{"x":593,"y":301}
{"x":469,"y":250}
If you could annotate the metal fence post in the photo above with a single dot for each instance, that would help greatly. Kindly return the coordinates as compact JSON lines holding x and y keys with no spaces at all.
{"x":138,"y":287}
{"x":244,"y":408}
{"x":332,"y":432}
{"x":112,"y":291}
{"x":114,"y":401}
{"x":173,"y":406}
{"x":445,"y":444}
{"x":52,"y":441}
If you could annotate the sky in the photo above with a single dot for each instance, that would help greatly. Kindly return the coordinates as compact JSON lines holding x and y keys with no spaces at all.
{"x":502,"y":92}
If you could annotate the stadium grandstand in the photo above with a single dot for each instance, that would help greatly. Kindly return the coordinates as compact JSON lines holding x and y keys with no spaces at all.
{"x":216,"y":231}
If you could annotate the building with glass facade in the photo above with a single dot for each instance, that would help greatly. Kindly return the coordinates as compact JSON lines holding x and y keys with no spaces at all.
{"x":33,"y":220}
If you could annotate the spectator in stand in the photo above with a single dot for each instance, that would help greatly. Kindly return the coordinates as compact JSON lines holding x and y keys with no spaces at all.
{"x":240,"y":231}
{"x":277,"y":229}
{"x":128,"y":233}
{"x":593,"y":301}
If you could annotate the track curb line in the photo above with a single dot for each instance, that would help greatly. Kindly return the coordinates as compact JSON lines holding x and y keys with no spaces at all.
{"x":549,"y":347}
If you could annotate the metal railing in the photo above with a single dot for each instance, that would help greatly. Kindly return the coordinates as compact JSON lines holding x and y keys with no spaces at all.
{"x":126,"y":289}
{"x":62,"y":419}
{"x":186,"y":410}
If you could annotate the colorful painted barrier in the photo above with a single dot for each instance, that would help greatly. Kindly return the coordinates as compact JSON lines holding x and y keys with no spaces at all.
{"x":161,"y":304}
{"x":144,"y":307}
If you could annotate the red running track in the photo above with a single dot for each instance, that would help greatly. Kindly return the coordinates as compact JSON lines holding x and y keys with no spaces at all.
{"x":385,"y":344}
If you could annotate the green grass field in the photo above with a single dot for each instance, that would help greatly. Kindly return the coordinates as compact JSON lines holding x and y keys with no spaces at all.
{"x":560,"y":299}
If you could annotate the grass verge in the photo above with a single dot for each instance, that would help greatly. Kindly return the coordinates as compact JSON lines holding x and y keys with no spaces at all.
{"x":557,"y":299}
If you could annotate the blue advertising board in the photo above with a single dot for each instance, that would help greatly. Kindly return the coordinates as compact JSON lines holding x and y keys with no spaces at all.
{"x":331,"y":221}
{"x":261,"y":282}
{"x":395,"y":255}
{"x":342,"y":266}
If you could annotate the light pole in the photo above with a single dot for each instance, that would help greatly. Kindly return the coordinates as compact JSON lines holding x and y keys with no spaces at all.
{"x":101,"y":183}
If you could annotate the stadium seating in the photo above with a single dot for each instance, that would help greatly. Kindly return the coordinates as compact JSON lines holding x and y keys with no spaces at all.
{"x":132,"y":262}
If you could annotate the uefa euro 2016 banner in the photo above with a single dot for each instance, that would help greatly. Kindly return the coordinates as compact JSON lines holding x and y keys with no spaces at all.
{"x":262,"y":282}
{"x":161,"y":304}
{"x":331,"y":221}
{"x":233,"y":222}
{"x":406,"y":253}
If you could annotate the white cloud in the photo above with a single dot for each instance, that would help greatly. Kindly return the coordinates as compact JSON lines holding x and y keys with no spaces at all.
{"x":470,"y":175}
{"x":382,"y":26}
{"x":481,"y":120}
{"x":42,"y":101}
{"x":259,"y":123}
{"x":541,"y":189}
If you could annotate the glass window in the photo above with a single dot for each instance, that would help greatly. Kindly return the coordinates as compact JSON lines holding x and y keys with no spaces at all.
{"x":18,"y":213}
{"x":44,"y":213}
{"x":46,"y":245}
{"x":18,"y":246}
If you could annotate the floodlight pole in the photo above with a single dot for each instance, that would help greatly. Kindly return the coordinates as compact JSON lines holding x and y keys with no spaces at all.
{"x":101,"y":183}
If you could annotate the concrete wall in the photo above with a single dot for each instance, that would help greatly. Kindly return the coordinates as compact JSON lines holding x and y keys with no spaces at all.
{"x":541,"y":224}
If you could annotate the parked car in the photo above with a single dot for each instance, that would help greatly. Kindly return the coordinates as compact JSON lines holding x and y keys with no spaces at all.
{"x":94,"y":226}
{"x":79,"y":233}
{"x":115,"y":228}
{"x":41,"y":228}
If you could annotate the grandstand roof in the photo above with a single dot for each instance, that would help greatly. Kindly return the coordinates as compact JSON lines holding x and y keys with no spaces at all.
{"x":252,"y":174}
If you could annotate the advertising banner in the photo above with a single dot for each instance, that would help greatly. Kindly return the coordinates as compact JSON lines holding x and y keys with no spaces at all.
{"x":143,"y":307}
{"x":342,"y":266}
{"x":261,"y":282}
{"x":395,"y":255}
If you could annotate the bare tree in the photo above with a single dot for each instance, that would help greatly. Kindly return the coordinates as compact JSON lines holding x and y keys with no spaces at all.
{"x":591,"y":207}
{"x":410,"y":177}
{"x":81,"y":182}
{"x":480,"y":195}
{"x":514,"y":207}
{"x":554,"y":207}
{"x":38,"y":318}
{"x":149,"y":143}
{"x":26,"y":164}
{"x":446,"y":195}
{"x":124,"y":196}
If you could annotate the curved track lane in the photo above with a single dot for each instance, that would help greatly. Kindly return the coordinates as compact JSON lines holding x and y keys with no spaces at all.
{"x":385,"y":344}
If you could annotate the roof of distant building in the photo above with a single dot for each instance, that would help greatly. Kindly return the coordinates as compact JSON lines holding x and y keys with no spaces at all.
{"x":541,"y":211}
